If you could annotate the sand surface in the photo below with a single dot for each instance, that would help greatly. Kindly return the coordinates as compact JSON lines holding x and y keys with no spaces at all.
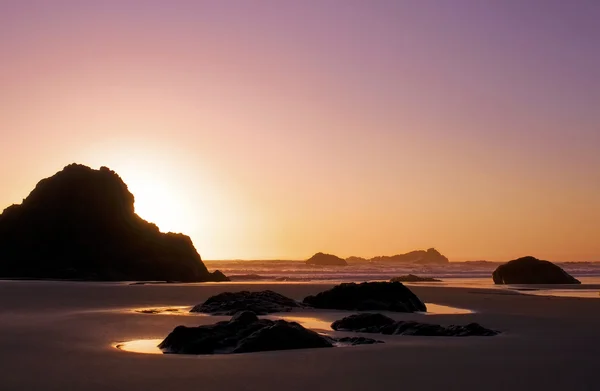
{"x":60,"y":336}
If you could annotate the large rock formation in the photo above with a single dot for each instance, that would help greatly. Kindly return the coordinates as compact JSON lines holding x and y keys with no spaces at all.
{"x":261,"y":303}
{"x":383,"y":296}
{"x":322,"y":259}
{"x":381,"y":324}
{"x":242,"y":334}
{"x":530,"y":270}
{"x":419,"y":257}
{"x":80,"y":224}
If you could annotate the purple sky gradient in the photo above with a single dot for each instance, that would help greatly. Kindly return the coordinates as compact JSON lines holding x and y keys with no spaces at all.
{"x":355,"y":127}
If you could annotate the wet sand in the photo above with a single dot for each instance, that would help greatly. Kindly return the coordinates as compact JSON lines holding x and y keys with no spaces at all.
{"x":59,"y":336}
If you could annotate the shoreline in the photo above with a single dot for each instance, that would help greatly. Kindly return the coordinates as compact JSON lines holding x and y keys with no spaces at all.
{"x":588,"y":289}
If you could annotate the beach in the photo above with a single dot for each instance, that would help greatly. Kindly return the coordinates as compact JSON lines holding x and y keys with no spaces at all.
{"x":62,"y":335}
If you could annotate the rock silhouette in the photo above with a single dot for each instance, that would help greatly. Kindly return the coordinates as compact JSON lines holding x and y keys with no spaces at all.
{"x":530,"y":270}
{"x":261,"y":303}
{"x":80,"y":224}
{"x":244,"y":333}
{"x":326,"y":260}
{"x":383,"y":296}
{"x":381,"y":324}
{"x":419,"y":257}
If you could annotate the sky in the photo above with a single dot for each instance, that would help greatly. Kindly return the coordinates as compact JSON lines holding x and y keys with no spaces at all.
{"x":276,"y":129}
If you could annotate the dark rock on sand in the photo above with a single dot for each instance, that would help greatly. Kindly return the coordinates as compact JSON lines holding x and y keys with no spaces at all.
{"x":322,"y":259}
{"x":244,"y":333}
{"x":262,"y":303}
{"x":281,"y":335}
{"x":381,"y":324}
{"x":413,"y":278}
{"x":383,"y":296}
{"x":418,"y":257}
{"x":81,"y":224}
{"x":530,"y":270}
{"x":366,"y":322}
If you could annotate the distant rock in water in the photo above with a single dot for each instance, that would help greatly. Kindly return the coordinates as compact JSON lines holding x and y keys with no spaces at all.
{"x":322,"y":259}
{"x":80,"y":224}
{"x":530,"y":270}
{"x":381,"y":324}
{"x":262,"y":303}
{"x":480,"y":262}
{"x":419,"y":257}
{"x":244,"y":333}
{"x":356,"y":260}
{"x":413,"y":278}
{"x":382,"y":296}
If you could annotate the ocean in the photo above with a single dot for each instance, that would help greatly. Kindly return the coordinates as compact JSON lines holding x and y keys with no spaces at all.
{"x":476,"y":274}
{"x":299,"y":271}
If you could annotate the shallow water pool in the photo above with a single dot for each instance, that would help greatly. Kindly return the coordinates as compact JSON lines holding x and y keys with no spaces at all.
{"x":146,"y":346}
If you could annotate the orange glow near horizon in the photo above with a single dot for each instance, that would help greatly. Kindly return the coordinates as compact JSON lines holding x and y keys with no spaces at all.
{"x":275,"y":131}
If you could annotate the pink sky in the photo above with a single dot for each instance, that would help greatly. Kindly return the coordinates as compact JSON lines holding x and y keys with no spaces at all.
{"x":276,"y":129}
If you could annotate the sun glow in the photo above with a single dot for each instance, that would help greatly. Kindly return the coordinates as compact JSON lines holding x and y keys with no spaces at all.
{"x":157,"y":201}
{"x":159,"y":191}
{"x":177,"y":191}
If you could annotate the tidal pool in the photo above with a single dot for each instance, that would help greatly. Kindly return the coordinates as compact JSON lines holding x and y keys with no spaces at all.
{"x":146,"y":346}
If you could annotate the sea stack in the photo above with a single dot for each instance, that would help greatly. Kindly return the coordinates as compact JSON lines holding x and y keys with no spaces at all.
{"x":322,"y":259}
{"x":367,"y":296}
{"x":81,"y":224}
{"x":530,"y":270}
{"x":417,"y":257}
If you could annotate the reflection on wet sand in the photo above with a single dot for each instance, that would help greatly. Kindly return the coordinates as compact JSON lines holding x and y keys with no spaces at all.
{"x":146,"y":346}
{"x":314,"y":321}
{"x":580,"y":293}
{"x":310,"y":322}
{"x":171,"y":310}
{"x":438,"y":309}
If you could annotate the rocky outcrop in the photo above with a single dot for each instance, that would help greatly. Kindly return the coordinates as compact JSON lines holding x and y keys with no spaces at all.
{"x":381,"y":324}
{"x":530,"y":270}
{"x":244,"y":333}
{"x":383,"y":296}
{"x":419,"y":257}
{"x":322,"y":259}
{"x":364,"y":323}
{"x":81,"y":224}
{"x":218,"y":276}
{"x":261,"y":303}
{"x":413,"y":278}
